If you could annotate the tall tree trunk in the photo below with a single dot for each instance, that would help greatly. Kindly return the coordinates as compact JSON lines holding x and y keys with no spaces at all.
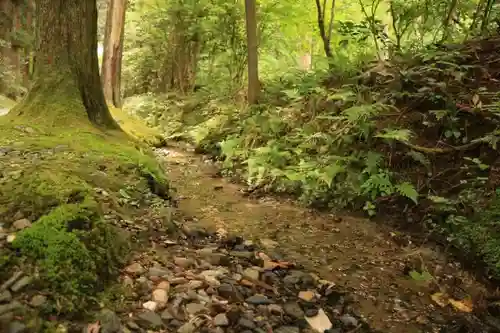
{"x":66,"y":83}
{"x":253,"y":56}
{"x":113,"y":50}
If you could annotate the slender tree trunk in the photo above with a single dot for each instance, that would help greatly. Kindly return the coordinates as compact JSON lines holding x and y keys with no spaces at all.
{"x":67,"y":83}
{"x":113,"y":50}
{"x":253,"y":56}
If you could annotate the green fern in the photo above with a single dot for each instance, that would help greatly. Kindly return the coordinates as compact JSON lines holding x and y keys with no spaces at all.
{"x":403,"y":135}
{"x":407,"y":190}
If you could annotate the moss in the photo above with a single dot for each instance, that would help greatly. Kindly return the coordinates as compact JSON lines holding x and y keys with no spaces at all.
{"x":66,"y":180}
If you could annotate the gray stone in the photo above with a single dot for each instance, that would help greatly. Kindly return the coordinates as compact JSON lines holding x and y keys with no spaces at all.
{"x":109,"y":322}
{"x":251,"y":273}
{"x":21,"y":224}
{"x":195,"y":284}
{"x":166,"y":315}
{"x":17,"y":327}
{"x":184,"y":262}
{"x":349,"y":321}
{"x":133,"y":326}
{"x":195,"y":308}
{"x":38,"y":300}
{"x":229,"y":292}
{"x":135,"y":269}
{"x":5,"y":296}
{"x":293,"y":310}
{"x":275,"y":309}
{"x":159,"y":271}
{"x":23,"y":282}
{"x":242,"y":254}
{"x":294,"y":277}
{"x":149,"y":319}
{"x":287,"y":329}
{"x":258,"y":300}
{"x":246,"y":323}
{"x":221,"y":320}
{"x":268,"y":243}
{"x":187,"y":328}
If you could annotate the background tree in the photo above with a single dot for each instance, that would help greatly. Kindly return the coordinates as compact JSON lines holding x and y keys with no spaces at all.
{"x":253,"y":52}
{"x":112,"y":51}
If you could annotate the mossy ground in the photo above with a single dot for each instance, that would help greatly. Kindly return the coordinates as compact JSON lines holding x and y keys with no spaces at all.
{"x":72,"y":181}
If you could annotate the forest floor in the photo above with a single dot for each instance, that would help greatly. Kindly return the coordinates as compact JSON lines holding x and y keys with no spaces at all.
{"x":369,"y":260}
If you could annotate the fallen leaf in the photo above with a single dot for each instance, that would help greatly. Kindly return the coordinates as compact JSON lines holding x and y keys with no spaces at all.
{"x":269,"y":264}
{"x":440,"y":299}
{"x":93,"y":328}
{"x":464,"y":305}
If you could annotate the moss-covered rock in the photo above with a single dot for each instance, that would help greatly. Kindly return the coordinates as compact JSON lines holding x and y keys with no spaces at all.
{"x":74,"y":184}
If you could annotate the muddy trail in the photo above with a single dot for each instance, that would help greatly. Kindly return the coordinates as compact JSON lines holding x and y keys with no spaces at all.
{"x":376,"y":266}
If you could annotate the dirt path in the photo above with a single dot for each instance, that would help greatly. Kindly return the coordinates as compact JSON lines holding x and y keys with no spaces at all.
{"x":358,"y":254}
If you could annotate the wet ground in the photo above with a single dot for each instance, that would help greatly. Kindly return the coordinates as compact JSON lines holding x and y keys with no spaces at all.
{"x":396,"y":285}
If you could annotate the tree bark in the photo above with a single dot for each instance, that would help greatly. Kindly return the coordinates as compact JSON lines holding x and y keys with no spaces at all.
{"x":113,"y":50}
{"x":66,"y":80}
{"x":253,"y":57}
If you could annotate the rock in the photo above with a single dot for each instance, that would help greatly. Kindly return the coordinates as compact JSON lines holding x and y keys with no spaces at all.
{"x":12,"y":280}
{"x":267,"y":243}
{"x":11,"y":238}
{"x":258,"y":299}
{"x":17,"y":327}
{"x":293,"y":277}
{"x":293,"y":310}
{"x":135,"y":269}
{"x":160,"y":296}
{"x":133,"y":326}
{"x":159,"y":271}
{"x":165,"y":285}
{"x":287,"y":329}
{"x":21,"y":224}
{"x":349,"y":321}
{"x":20,"y":284}
{"x":109,"y":322}
{"x":251,"y":273}
{"x":127,"y":281}
{"x":212,"y":276}
{"x":178,"y":280}
{"x":166,"y":315}
{"x":221,"y":320}
{"x":242,"y":254}
{"x":5,"y":296}
{"x":311,"y":312}
{"x":275,"y":309}
{"x":320,"y":322}
{"x":195,"y":284}
{"x":149,"y":319}
{"x":307,"y":296}
{"x":187,"y":328}
{"x":151,"y":305}
{"x":195,"y":308}
{"x":229,"y":292}
{"x":183,"y":262}
{"x":246,"y":323}
{"x":38,"y":300}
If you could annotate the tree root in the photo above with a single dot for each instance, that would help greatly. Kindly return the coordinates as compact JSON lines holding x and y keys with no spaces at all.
{"x":439,"y":151}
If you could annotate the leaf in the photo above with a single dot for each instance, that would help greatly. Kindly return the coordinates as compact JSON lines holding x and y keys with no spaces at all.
{"x":440,"y":299}
{"x":463,"y":305}
{"x":408,"y":190}
{"x":403,"y":135}
{"x":125,"y":194}
{"x":424,"y":276}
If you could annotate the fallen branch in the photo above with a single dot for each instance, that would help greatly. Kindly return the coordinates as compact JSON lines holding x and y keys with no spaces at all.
{"x":439,"y":151}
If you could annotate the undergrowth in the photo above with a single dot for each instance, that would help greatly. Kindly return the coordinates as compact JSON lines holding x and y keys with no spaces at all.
{"x":398,"y":139}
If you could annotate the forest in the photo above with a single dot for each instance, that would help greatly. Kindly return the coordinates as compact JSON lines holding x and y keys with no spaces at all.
{"x":249,"y":166}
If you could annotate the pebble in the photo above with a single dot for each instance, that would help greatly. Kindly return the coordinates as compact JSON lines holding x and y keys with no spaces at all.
{"x":275,"y":309}
{"x":221,"y":320}
{"x":109,"y":322}
{"x":228,"y":292}
{"x":166,"y":315}
{"x":149,"y":319}
{"x":349,"y":321}
{"x":160,"y":296}
{"x":307,"y":296}
{"x":293,"y":310}
{"x":11,"y":238}
{"x":195,"y":308}
{"x":38,"y":300}
{"x":311,"y":312}
{"x":135,"y":269}
{"x":195,"y":284}
{"x":187,"y":328}
{"x":150,"y":305}
{"x":5,"y":296}
{"x":158,"y":271}
{"x":251,"y":273}
{"x":258,"y":300}
{"x":287,"y":329}
{"x":268,"y":243}
{"x":165,"y":285}
{"x":21,"y":224}
{"x":246,"y":323}
{"x":183,"y":262}
{"x":17,"y":327}
{"x":4,"y":308}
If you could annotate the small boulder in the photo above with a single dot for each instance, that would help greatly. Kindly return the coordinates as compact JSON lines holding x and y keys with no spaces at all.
{"x":135,"y":269}
{"x":21,"y":224}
